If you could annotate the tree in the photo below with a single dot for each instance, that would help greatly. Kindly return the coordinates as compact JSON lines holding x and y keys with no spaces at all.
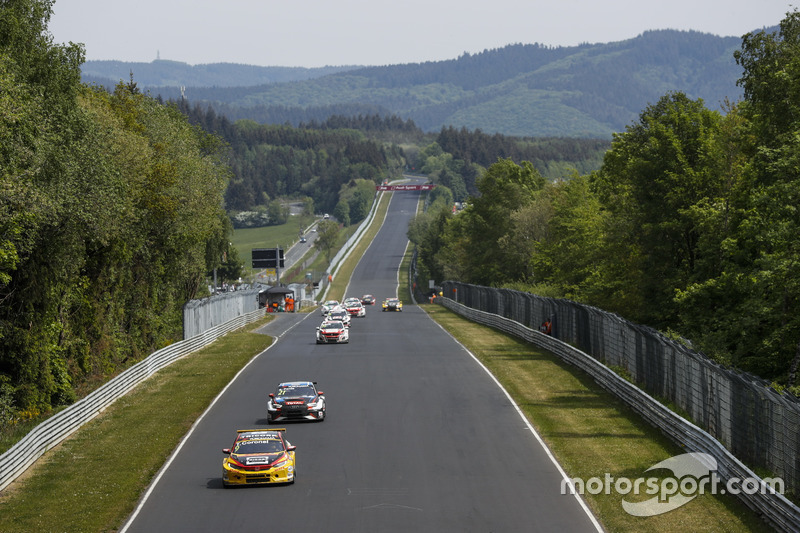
{"x":342,"y":212}
{"x":107,"y":203}
{"x":752,"y":303}
{"x":504,"y":188}
{"x":327,"y":238}
{"x":278,"y":212}
{"x":654,"y":174}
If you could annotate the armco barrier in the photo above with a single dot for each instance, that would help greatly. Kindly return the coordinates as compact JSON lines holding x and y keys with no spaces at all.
{"x":354,"y":239}
{"x":58,"y":427}
{"x":771,"y":506}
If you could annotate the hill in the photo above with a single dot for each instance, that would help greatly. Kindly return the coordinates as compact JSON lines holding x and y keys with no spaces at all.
{"x":590,"y":90}
{"x":163,"y":73}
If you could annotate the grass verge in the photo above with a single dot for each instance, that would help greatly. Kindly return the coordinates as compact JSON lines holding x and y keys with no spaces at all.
{"x":339,"y":284}
{"x":64,"y":490}
{"x":590,"y":431}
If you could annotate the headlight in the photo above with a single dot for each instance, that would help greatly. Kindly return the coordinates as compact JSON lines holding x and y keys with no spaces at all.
{"x":281,"y":463}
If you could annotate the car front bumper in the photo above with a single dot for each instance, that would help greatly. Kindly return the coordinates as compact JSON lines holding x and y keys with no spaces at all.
{"x":232,"y":476}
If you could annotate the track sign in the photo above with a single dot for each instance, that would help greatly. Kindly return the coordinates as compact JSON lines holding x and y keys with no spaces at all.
{"x":268,"y":258}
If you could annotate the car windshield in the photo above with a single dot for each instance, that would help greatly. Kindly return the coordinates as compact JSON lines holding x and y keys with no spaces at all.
{"x":332,"y":325}
{"x":291,"y":390}
{"x":258,"y":446}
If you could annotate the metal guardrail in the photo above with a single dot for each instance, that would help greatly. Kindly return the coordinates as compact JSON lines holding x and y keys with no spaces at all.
{"x":347,"y":248}
{"x":773,"y":507}
{"x":61,"y":425}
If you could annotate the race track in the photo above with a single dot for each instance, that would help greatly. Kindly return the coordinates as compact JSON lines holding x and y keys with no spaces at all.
{"x":418,"y":436}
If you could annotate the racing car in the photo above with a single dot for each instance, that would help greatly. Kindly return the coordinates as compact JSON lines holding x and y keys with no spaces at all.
{"x":355,"y":308}
{"x":329,"y":306}
{"x":368,"y":299}
{"x":392,"y":304}
{"x":259,"y":457}
{"x":296,"y":400}
{"x":332,"y":332}
{"x":340,"y":314}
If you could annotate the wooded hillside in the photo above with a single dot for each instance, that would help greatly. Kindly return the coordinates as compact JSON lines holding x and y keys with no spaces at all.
{"x":591,"y":90}
{"x":690,"y":225}
{"x":110,"y":217}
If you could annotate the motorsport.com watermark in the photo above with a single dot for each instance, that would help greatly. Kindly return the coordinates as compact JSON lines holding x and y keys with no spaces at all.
{"x":694,"y":474}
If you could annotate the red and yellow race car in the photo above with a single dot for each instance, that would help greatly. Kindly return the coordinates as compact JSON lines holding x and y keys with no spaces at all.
{"x":258,"y":457}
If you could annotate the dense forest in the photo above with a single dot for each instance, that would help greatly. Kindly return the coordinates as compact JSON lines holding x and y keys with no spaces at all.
{"x":111,"y":215}
{"x":315,"y":161}
{"x":690,"y":225}
{"x":523,"y":90}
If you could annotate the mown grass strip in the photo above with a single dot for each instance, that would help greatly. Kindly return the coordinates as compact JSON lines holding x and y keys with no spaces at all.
{"x":92,"y":481}
{"x":590,"y":431}
{"x":339,"y":283}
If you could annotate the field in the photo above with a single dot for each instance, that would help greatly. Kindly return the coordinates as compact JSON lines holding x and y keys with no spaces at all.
{"x":284,"y":236}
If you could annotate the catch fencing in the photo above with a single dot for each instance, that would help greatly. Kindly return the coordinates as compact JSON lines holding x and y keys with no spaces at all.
{"x":735,"y":417}
{"x":58,"y":427}
{"x":202,"y":315}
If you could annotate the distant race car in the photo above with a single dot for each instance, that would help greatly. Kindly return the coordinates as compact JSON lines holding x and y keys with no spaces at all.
{"x":333,"y":332}
{"x":356,"y":308}
{"x":296,"y":400}
{"x":340,"y":314}
{"x":368,"y":299}
{"x":328,"y":306}
{"x":392,"y":304}
{"x":259,"y":457}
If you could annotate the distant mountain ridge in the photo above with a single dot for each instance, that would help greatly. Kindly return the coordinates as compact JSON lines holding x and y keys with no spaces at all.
{"x":527,"y":90}
{"x":164,"y":73}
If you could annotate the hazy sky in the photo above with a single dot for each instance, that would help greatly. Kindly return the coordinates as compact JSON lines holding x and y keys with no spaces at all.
{"x":314,"y":33}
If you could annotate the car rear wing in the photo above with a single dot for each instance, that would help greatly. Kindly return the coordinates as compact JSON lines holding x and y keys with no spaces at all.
{"x":260,"y":430}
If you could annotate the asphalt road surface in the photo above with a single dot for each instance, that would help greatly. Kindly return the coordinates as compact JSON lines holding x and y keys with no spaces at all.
{"x":418,"y":436}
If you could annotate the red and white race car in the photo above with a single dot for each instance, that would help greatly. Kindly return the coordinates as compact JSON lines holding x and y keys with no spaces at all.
{"x":355,"y":308}
{"x":333,"y":332}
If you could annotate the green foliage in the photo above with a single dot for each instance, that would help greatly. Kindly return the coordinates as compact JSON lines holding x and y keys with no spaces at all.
{"x":342,"y":212}
{"x":107,"y":205}
{"x":690,"y":225}
{"x":327,"y":237}
{"x":478,"y":238}
{"x":755,"y":291}
{"x":355,"y":201}
{"x":653,"y":176}
{"x":530,"y":90}
{"x":283,"y":161}
{"x":278,"y":212}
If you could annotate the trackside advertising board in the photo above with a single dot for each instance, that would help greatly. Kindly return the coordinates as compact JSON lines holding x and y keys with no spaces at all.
{"x":425,"y":187}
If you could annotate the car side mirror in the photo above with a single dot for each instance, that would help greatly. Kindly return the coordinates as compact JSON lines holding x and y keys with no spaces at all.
{"x":291,"y":448}
{"x":271,"y":395}
{"x":226,"y":451}
{"x":320,"y":393}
